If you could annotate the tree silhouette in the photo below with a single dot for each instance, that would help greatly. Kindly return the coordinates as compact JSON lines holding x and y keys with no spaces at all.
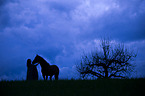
{"x":111,"y":60}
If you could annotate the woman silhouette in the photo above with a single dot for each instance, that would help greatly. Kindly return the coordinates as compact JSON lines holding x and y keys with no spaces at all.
{"x":32,"y":73}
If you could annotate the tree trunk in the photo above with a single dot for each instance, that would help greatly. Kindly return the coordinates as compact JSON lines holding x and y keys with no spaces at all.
{"x":106,"y":73}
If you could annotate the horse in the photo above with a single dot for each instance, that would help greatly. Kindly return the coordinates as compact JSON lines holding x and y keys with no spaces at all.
{"x":32,"y":73}
{"x":46,"y":68}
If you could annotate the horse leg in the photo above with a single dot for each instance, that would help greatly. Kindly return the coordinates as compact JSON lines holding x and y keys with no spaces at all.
{"x":56,"y":77}
{"x":50,"y":78}
{"x":44,"y":77}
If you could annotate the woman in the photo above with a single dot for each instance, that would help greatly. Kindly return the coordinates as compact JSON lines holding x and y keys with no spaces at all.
{"x":32,"y":73}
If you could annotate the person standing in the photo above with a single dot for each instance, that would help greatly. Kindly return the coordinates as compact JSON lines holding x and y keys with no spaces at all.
{"x":32,"y":73}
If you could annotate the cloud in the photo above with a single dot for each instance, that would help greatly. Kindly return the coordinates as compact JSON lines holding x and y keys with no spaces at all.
{"x":93,"y":9}
{"x":73,"y":74}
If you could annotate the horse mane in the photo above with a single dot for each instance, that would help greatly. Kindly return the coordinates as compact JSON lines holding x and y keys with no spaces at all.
{"x":43,"y":61}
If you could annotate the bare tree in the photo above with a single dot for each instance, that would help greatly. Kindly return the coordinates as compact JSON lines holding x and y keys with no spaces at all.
{"x":111,"y":60}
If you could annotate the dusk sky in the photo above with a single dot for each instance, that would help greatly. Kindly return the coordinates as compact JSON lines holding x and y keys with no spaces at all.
{"x":61,"y":30}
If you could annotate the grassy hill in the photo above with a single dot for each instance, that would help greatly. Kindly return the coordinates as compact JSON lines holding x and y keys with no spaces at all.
{"x":113,"y":87}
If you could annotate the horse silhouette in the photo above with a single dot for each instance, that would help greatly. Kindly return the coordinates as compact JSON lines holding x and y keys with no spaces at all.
{"x":46,"y":68}
{"x":32,"y":73}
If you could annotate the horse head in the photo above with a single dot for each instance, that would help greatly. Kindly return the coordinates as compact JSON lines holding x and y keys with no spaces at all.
{"x":29,"y":63}
{"x":36,"y":60}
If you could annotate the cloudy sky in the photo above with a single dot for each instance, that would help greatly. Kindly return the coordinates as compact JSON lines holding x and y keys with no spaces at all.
{"x":60,"y":30}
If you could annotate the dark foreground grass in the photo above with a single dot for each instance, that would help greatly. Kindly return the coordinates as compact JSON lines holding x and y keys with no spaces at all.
{"x":113,"y":87}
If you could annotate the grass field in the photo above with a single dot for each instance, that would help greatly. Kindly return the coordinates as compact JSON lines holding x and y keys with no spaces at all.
{"x":113,"y":87}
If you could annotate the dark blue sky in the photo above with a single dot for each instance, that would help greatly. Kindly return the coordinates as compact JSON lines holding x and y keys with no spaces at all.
{"x":60,"y":30}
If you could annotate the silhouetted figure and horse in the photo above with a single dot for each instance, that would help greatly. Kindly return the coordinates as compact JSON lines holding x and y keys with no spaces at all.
{"x":32,"y":73}
{"x":46,"y":68}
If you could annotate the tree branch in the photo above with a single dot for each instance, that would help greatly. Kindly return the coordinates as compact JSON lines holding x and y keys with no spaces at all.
{"x":93,"y":73}
{"x":118,"y":70}
{"x":117,"y":76}
{"x":97,"y":64}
